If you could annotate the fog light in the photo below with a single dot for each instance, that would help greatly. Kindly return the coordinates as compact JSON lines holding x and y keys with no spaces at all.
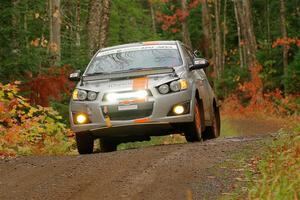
{"x":81,"y":118}
{"x":178,"y":109}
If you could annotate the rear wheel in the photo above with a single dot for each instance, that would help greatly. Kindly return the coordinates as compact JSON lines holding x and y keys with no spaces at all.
{"x":85,"y":143}
{"x":194,"y":132}
{"x":214,"y":130}
{"x":107,"y":145}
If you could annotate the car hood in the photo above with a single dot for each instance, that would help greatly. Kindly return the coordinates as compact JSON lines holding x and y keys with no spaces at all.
{"x":128,"y":83}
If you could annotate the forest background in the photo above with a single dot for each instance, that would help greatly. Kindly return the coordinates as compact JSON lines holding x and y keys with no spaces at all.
{"x":252,"y":46}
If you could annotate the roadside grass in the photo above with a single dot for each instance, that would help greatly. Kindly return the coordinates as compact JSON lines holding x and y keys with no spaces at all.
{"x":274,"y":175}
{"x":279,"y":169}
{"x":227,"y":129}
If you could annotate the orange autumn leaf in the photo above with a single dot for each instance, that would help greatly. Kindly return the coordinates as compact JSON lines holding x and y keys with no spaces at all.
{"x":35,"y":42}
{"x":2,"y":107}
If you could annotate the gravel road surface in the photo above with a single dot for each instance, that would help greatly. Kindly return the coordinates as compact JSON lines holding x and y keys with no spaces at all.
{"x":176,"y":171}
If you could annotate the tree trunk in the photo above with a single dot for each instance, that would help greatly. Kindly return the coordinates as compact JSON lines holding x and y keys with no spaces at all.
{"x":93,"y":26}
{"x":238,"y":24}
{"x":15,"y":24}
{"x":212,"y":41}
{"x":78,"y":25}
{"x":268,"y":27}
{"x":207,"y":49}
{"x":218,"y":39}
{"x":244,"y":23}
{"x":55,"y":35}
{"x":105,"y":6}
{"x":153,"y":17}
{"x":225,"y":31}
{"x":26,"y":27}
{"x":284,"y":35}
{"x":185,"y":29}
{"x":252,"y":47}
{"x":244,"y":17}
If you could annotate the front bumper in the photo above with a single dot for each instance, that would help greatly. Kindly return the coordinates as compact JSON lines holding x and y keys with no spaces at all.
{"x":155,"y":122}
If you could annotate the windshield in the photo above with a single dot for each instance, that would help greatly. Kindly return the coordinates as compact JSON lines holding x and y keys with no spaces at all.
{"x":134,"y":58}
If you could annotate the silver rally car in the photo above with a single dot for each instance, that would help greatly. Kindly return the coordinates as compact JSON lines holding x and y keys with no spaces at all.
{"x":133,"y":91}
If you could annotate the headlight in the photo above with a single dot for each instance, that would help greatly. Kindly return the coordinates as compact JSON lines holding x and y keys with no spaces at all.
{"x":175,"y":86}
{"x":164,"y":89}
{"x":91,"y":95}
{"x":139,"y":94}
{"x":111,"y":97}
{"x":83,"y":95}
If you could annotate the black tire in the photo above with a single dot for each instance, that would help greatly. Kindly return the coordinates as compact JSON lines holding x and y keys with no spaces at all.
{"x":213,"y":131}
{"x":107,"y":145}
{"x":193,"y":132}
{"x":85,"y":143}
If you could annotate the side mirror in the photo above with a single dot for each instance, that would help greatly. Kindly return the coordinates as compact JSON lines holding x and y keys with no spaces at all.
{"x":75,"y":76}
{"x":199,"y":63}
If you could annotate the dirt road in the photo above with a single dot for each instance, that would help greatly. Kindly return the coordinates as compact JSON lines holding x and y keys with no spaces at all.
{"x":178,"y":171}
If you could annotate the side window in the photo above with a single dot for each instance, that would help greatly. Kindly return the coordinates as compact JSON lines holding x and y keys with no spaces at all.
{"x":190,"y":54}
{"x":187,"y":56}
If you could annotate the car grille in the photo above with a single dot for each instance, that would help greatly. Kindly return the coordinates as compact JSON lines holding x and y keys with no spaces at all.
{"x":144,"y":110}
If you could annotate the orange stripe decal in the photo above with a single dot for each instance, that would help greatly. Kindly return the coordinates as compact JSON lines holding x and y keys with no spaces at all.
{"x":150,"y":43}
{"x":143,"y":120}
{"x":140,"y":83}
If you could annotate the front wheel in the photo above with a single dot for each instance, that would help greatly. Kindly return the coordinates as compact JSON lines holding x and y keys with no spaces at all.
{"x":85,"y":143}
{"x":214,"y":130}
{"x":194,"y":132}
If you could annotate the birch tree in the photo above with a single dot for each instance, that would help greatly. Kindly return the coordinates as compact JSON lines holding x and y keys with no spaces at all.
{"x":284,"y":36}
{"x":247,"y":43}
{"x":93,"y":26}
{"x":218,"y":39}
{"x":55,"y":31}
{"x":185,"y":29}
{"x":104,"y":24}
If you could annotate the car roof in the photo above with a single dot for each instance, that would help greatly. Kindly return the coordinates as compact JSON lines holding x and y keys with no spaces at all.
{"x":165,"y":42}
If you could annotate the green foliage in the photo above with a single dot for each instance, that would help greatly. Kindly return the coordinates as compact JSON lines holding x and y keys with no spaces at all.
{"x":292,"y":80}
{"x":194,"y":22}
{"x":271,"y":60}
{"x":24,"y":35}
{"x":129,"y":22}
{"x":62,"y":108}
{"x":229,"y":80}
{"x":19,"y":27}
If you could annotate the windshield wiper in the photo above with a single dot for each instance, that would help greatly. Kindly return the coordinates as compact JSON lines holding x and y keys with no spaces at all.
{"x":97,"y":73}
{"x":129,"y":70}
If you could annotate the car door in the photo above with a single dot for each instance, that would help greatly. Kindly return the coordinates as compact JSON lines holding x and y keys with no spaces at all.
{"x":202,"y":83}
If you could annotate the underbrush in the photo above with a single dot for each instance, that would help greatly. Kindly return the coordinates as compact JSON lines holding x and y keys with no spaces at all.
{"x":27,"y":129}
{"x":278,"y":169}
{"x":272,"y":106}
{"x":274,"y":175}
